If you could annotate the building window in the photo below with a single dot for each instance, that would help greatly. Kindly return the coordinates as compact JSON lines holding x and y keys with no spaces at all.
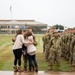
{"x":21,"y":27}
{"x":4,"y":27}
{"x":13,"y":27}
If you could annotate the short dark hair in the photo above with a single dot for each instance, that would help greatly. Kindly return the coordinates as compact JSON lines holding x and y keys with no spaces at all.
{"x":19,"y":31}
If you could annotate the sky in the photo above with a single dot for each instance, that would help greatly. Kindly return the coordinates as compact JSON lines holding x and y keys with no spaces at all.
{"x":50,"y":12}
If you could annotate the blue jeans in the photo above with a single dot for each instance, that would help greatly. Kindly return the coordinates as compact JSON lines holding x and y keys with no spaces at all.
{"x":32,"y":61}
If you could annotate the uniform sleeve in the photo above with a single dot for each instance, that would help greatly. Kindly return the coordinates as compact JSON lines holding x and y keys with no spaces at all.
{"x":50,"y":42}
{"x":61,"y":42}
{"x":72,"y":43}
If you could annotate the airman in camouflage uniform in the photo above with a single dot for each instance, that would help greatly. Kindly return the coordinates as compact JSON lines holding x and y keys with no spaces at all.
{"x":43,"y":39}
{"x":55,"y":50}
{"x":63,"y":45}
{"x":67,"y":51}
{"x":73,"y":51}
{"x":50,"y":34}
{"x":46,"y":39}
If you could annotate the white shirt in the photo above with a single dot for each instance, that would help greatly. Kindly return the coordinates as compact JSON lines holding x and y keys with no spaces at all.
{"x":31,"y":48}
{"x":19,"y":42}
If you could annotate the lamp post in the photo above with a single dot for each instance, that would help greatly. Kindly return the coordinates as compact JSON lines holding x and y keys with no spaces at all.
{"x":11,"y":16}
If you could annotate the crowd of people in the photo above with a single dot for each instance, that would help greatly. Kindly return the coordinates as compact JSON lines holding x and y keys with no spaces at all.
{"x":55,"y":46}
{"x":59,"y":45}
{"x":24,"y":44}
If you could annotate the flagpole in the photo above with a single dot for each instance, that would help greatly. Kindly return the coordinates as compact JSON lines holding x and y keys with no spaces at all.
{"x":10,"y":18}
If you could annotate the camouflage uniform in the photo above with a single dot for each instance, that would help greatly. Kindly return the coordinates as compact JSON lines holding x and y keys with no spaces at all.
{"x":46,"y":43}
{"x":43,"y":39}
{"x":69,"y":47}
{"x":73,"y":51}
{"x":48,"y":53}
{"x":55,"y":50}
{"x":63,"y":46}
{"x":24,"y":51}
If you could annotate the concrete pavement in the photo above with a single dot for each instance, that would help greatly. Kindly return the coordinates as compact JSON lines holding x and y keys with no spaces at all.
{"x":33,"y":73}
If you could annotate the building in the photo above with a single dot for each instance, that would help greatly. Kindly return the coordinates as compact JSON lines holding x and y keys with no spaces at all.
{"x":11,"y":26}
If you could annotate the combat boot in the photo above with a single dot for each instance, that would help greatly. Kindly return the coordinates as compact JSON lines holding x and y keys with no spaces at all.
{"x":73,"y":68}
{"x":51,"y":68}
{"x":58,"y":67}
{"x":25,"y":68}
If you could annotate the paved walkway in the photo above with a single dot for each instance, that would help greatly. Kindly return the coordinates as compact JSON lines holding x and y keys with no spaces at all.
{"x":33,"y":73}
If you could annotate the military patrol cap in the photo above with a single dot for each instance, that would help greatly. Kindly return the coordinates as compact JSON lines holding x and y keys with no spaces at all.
{"x":56,"y":31}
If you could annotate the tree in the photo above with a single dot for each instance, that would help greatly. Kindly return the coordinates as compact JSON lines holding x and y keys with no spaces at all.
{"x":60,"y":27}
{"x":0,"y":29}
{"x":36,"y":29}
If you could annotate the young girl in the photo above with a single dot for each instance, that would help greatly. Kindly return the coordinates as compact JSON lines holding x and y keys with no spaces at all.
{"x":31,"y":50}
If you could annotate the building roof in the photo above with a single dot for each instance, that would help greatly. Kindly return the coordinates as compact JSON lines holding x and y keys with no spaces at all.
{"x":22,"y":22}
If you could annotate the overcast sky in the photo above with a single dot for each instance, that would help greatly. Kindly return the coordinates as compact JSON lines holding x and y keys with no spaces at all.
{"x":50,"y":12}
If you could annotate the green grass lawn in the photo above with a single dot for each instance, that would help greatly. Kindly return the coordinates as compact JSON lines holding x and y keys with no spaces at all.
{"x":6,"y":55}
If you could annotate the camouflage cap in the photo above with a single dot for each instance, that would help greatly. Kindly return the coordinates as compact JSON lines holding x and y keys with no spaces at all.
{"x":56,"y":31}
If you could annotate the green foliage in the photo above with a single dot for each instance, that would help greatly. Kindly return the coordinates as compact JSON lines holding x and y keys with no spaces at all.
{"x":60,"y":27}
